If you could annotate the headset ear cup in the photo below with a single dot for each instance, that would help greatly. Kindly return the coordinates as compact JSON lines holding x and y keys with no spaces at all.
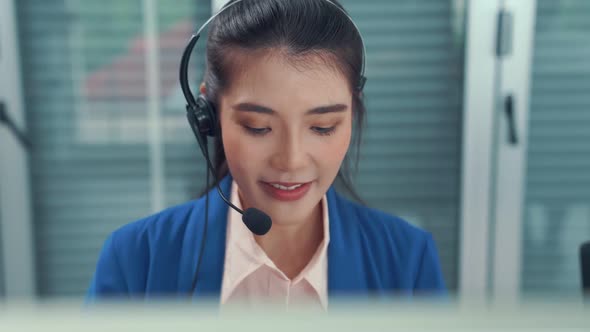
{"x":203,"y":116}
{"x":206,"y":116}
{"x":212,"y":111}
{"x":192,"y":121}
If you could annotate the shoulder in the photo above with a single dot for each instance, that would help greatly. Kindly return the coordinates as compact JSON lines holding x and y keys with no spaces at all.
{"x":377,"y":223}
{"x":160,"y":232}
{"x":141,"y":248}
{"x":168,"y":221}
{"x":403,"y":253}
{"x":173,"y":221}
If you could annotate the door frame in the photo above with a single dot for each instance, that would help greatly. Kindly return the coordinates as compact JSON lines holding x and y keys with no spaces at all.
{"x":16,"y":222}
{"x":515,"y":76}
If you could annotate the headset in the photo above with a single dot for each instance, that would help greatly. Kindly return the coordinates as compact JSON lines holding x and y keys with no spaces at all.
{"x":201,"y":113}
{"x":202,"y":118}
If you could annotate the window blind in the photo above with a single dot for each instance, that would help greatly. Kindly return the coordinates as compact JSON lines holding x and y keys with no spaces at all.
{"x":557,"y":212}
{"x":85,"y":88}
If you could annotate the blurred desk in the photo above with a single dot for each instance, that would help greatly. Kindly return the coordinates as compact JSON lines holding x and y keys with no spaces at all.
{"x":70,"y":316}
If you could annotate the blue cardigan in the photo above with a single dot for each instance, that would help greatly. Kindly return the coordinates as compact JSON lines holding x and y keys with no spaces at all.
{"x":370,"y":253}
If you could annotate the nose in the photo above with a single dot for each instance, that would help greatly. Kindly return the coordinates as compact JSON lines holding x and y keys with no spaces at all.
{"x":290,"y":153}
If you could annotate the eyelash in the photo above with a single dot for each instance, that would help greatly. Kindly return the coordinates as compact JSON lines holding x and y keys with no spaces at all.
{"x":257,"y":131}
{"x":322,"y":131}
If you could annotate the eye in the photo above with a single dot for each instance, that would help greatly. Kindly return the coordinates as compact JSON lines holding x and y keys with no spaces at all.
{"x":257,"y":131}
{"x":324,"y":131}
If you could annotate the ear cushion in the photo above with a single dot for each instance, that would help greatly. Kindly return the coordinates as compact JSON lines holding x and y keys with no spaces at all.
{"x":206,"y":116}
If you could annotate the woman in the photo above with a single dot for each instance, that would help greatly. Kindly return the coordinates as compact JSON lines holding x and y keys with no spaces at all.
{"x":284,"y":78}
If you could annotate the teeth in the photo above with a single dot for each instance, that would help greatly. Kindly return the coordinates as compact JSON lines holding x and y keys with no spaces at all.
{"x":278,"y":186}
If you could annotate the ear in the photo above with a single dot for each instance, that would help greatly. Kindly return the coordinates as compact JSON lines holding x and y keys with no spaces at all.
{"x":203,"y":89}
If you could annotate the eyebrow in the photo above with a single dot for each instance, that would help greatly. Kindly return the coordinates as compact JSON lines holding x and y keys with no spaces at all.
{"x":250,"y":107}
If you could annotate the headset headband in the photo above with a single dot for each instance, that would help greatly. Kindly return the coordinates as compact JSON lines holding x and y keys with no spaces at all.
{"x":195,"y":37}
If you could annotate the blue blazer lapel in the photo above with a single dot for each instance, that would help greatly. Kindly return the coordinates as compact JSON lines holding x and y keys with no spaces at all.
{"x":212,"y":260}
{"x":345,"y":262}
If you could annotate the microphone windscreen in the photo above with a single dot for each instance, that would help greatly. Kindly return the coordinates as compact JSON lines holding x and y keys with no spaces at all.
{"x":257,"y":221}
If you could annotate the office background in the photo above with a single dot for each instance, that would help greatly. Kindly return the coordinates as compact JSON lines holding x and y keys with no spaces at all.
{"x":94,"y":85}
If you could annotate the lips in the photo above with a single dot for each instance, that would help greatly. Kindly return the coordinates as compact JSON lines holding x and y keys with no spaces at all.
{"x":286,"y":191}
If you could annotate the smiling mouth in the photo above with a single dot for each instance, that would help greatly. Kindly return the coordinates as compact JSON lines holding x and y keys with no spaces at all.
{"x":287,"y":187}
{"x":284,"y":191}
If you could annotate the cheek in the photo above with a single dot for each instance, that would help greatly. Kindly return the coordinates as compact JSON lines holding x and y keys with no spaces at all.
{"x":244,"y":155}
{"x":234,"y":146}
{"x":231,"y":143}
{"x":332,"y":150}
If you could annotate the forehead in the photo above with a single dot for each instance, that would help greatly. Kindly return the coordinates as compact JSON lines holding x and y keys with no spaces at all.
{"x":282,"y":82}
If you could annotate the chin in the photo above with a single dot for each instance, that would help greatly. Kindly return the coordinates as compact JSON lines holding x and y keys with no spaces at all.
{"x":292,"y":213}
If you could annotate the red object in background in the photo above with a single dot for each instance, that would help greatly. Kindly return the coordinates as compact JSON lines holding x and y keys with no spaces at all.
{"x":124,"y":78}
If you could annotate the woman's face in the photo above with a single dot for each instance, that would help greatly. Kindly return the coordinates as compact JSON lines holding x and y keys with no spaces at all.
{"x":285,"y":130}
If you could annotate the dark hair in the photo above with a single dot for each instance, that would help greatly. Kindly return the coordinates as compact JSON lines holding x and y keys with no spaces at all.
{"x":298,"y":28}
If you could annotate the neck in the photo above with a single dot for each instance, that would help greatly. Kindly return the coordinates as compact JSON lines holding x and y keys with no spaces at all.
{"x":292,"y":246}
